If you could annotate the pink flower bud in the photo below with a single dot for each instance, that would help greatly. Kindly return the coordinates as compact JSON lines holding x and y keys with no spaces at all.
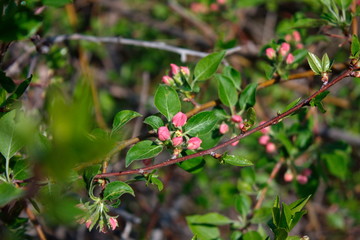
{"x":264,"y":139}
{"x":224,"y":128}
{"x":306,"y":172}
{"x":185,"y":71}
{"x":284,"y":49}
{"x":88,"y":223}
{"x":177,"y":141}
{"x":264,"y":130}
{"x":236,"y":118}
{"x":214,"y":7}
{"x":163,"y":133}
{"x":288,"y":37}
{"x":198,"y":8}
{"x":221,"y":1}
{"x":113,"y":223}
{"x":270,"y":147}
{"x":302,"y":179}
{"x":179,"y":119}
{"x":270,"y":53}
{"x":242,"y":126}
{"x":167,"y":80}
{"x":174,"y":69}
{"x":299,"y":46}
{"x":290,"y":59}
{"x":194,"y":143}
{"x":288,"y":176}
{"x":297,"y":36}
{"x":235,"y":143}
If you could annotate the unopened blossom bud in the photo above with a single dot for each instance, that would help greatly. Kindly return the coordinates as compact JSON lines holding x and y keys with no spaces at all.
{"x":179,"y":119}
{"x":224,"y":128}
{"x":194,"y":143}
{"x":221,"y":1}
{"x":167,"y":80}
{"x":288,"y":37}
{"x":174,"y":69}
{"x":270,"y":147}
{"x":163,"y":133}
{"x":113,"y":223}
{"x":289,"y":59}
{"x":264,"y":139}
{"x":297,"y":36}
{"x":214,"y":7}
{"x":288,"y":176}
{"x":234,"y":143}
{"x":177,"y":141}
{"x":88,"y":223}
{"x":236,"y":118}
{"x":284,"y":49}
{"x":302,"y":179}
{"x":242,"y":126}
{"x":185,"y":70}
{"x":306,"y":172}
{"x":265,"y":130}
{"x":299,"y":46}
{"x":270,"y":53}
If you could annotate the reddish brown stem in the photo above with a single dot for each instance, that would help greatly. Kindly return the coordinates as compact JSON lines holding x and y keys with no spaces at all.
{"x":272,"y":121}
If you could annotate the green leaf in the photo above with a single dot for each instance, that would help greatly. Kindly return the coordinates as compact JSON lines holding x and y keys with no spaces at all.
{"x":337,"y":163}
{"x":236,"y":160}
{"x":142,"y":150}
{"x":209,"y":219}
{"x":280,"y":234}
{"x":9,"y":192}
{"x":298,"y":205}
{"x":10,"y":141}
{"x":89,"y":173}
{"x":286,"y":216}
{"x":247,"y":97}
{"x":276,"y":212}
{"x":6,"y":82}
{"x":234,"y":75}
{"x":154,"y":121}
{"x":325,"y":63}
{"x":18,"y":92}
{"x":193,"y":165}
{"x":156,"y":181}
{"x":21,"y":169}
{"x":121,"y":118}
{"x":56,"y":3}
{"x":317,"y":101}
{"x":207,"y":66}
{"x":204,"y":232}
{"x":167,"y":101}
{"x":243,"y":204}
{"x":252,"y":235}
{"x":314,"y":63}
{"x":227,"y":91}
{"x":292,"y":104}
{"x":115,"y":189}
{"x":355,"y":46}
{"x":250,"y":117}
{"x":296,"y":218}
{"x":200,"y":123}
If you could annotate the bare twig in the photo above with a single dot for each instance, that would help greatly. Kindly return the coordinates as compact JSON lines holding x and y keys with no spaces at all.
{"x":272,"y":121}
{"x":35,"y":222}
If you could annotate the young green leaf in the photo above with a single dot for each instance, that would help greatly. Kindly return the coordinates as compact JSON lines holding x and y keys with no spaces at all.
{"x":200,"y":123}
{"x":325,"y":63}
{"x":236,"y":160}
{"x":227,"y":90}
{"x":9,"y":192}
{"x":121,"y":118}
{"x":247,"y":97}
{"x":299,"y":204}
{"x":7,"y":83}
{"x":115,"y":189}
{"x":234,"y":75}
{"x":142,"y":150}
{"x":167,"y":101}
{"x":210,"y":219}
{"x":154,"y":121}
{"x":207,"y":66}
{"x":315,"y":63}
{"x":355,"y":46}
{"x":56,"y":3}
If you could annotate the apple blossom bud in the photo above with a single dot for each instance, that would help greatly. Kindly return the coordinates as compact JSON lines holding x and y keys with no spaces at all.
{"x":263,"y":140}
{"x":163,"y":133}
{"x":242,"y":127}
{"x":270,"y":147}
{"x":221,"y":1}
{"x":302,"y":179}
{"x":290,"y":58}
{"x":270,"y":53}
{"x":179,"y":119}
{"x":297,"y":36}
{"x":284,"y":49}
{"x":147,"y":162}
{"x":288,"y":176}
{"x":167,"y":80}
{"x":234,"y":143}
{"x":185,"y":71}
{"x":299,"y":46}
{"x":177,"y":141}
{"x":88,"y":223}
{"x":113,"y":223}
{"x":236,"y":118}
{"x":306,"y":172}
{"x":288,"y":37}
{"x":224,"y":128}
{"x":194,"y":143}
{"x":174,"y":69}
{"x":214,"y":7}
{"x":265,"y":130}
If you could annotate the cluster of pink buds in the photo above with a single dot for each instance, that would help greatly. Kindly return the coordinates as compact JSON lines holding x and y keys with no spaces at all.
{"x":301,"y":178}
{"x":176,"y":137}
{"x":235,"y":120}
{"x":283,"y":51}
{"x":198,"y":7}
{"x":174,"y":77}
{"x":265,"y":140}
{"x":295,"y":37}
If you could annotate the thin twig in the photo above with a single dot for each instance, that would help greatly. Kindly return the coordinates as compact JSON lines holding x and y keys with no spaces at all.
{"x":272,"y":121}
{"x":35,"y":222}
